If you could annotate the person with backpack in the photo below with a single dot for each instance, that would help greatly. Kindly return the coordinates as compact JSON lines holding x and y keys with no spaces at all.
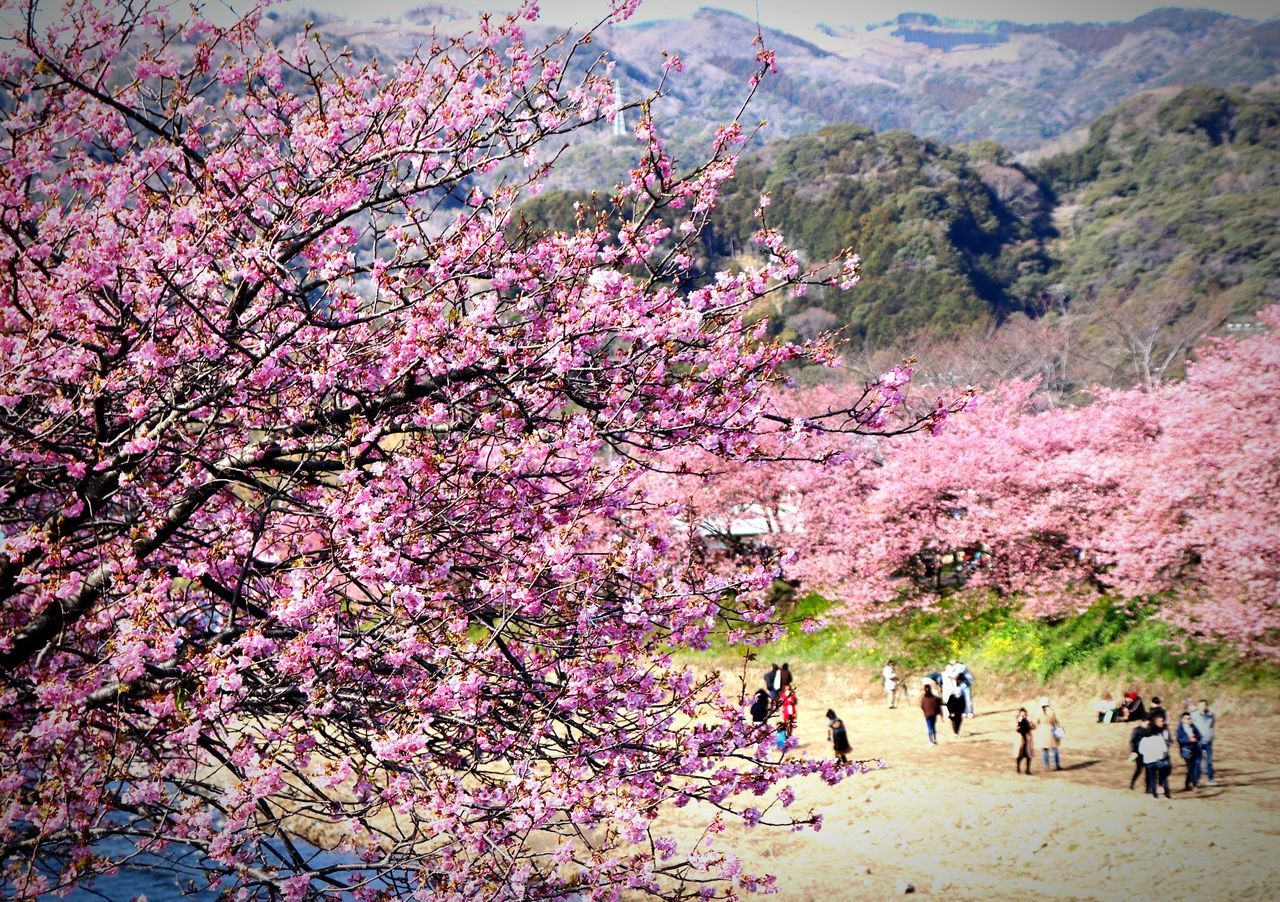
{"x":1189,"y":740}
{"x":839,"y":737}
{"x":931,"y":705}
{"x":1154,"y":750}
{"x":1024,"y":728}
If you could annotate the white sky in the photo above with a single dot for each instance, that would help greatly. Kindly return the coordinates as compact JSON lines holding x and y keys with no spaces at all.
{"x":801,"y":13}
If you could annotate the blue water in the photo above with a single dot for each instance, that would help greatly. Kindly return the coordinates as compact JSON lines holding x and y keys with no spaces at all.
{"x":174,"y":876}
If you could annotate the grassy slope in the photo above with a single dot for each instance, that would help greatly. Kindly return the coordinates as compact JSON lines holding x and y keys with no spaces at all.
{"x":1109,"y":645}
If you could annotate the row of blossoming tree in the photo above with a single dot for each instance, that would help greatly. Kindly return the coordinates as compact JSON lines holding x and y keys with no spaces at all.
{"x":321,"y":478}
{"x":1171,"y":494}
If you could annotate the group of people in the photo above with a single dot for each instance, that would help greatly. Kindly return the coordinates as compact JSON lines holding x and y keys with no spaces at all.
{"x":777,"y":696}
{"x":1048,"y":728}
{"x":1150,"y":743}
{"x":951,"y":690}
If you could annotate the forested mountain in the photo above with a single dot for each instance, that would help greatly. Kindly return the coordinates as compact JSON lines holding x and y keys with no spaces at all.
{"x":1101,"y":264}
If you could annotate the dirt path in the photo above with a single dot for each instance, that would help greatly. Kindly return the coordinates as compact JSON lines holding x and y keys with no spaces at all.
{"x":957,"y":819}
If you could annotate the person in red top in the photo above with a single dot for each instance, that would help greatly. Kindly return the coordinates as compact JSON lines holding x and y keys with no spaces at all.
{"x":789,"y":705}
{"x":931,"y":705}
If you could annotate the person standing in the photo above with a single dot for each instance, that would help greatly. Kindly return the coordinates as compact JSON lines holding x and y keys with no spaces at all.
{"x":790,"y":709}
{"x":931,"y":705}
{"x":1189,"y":749}
{"x":1025,"y":728}
{"x":1051,"y":737}
{"x":1154,"y":750}
{"x":772,"y":684}
{"x":1204,"y":721}
{"x":890,"y":676}
{"x":784,"y":676}
{"x":1157,"y":707}
{"x":839,"y":737}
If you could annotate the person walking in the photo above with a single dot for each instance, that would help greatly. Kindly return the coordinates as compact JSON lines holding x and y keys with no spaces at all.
{"x":784,"y":677}
{"x":1025,"y":728}
{"x":790,"y":708}
{"x":1205,"y":721}
{"x":966,"y":686}
{"x":760,"y":707}
{"x":1189,"y":748}
{"x":890,"y":676}
{"x":839,"y":737}
{"x":1154,"y":750}
{"x":772,"y":683}
{"x":931,"y":705}
{"x":1136,"y":735}
{"x":955,"y":712}
{"x":1051,"y":737}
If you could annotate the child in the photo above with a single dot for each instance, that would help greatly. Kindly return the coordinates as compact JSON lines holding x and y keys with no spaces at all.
{"x":1025,"y":747}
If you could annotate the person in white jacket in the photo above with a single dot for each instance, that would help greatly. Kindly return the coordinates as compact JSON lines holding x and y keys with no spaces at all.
{"x":1154,"y":752}
{"x":890,"y":675}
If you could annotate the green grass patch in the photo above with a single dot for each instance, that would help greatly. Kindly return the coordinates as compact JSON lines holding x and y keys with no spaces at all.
{"x":1112,"y":637}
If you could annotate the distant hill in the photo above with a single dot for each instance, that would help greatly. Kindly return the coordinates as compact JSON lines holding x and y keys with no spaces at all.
{"x":1019,"y":85}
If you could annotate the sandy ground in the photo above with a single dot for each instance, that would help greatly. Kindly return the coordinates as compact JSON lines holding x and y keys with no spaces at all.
{"x":956,"y":819}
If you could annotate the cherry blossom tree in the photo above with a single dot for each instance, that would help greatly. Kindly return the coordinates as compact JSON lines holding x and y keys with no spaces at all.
{"x":321,"y":476}
{"x":1168,"y":494}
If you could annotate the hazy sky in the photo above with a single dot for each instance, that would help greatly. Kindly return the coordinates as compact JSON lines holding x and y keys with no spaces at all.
{"x":797,"y":13}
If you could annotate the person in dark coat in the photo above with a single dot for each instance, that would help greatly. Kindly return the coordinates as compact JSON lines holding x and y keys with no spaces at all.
{"x":955,"y":712}
{"x":760,"y":707}
{"x":1157,"y":710}
{"x":773,"y":683}
{"x":1026,"y":746}
{"x":931,"y":705}
{"x":839,"y":738}
{"x":1136,"y":735}
{"x":1189,"y":743}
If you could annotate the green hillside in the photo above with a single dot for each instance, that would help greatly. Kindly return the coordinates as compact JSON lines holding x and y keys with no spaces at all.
{"x":942,"y":251}
{"x":1161,"y":226}
{"x":1178,"y":200}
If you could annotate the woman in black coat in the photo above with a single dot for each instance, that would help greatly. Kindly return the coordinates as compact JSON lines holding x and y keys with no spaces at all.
{"x":955,"y":711}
